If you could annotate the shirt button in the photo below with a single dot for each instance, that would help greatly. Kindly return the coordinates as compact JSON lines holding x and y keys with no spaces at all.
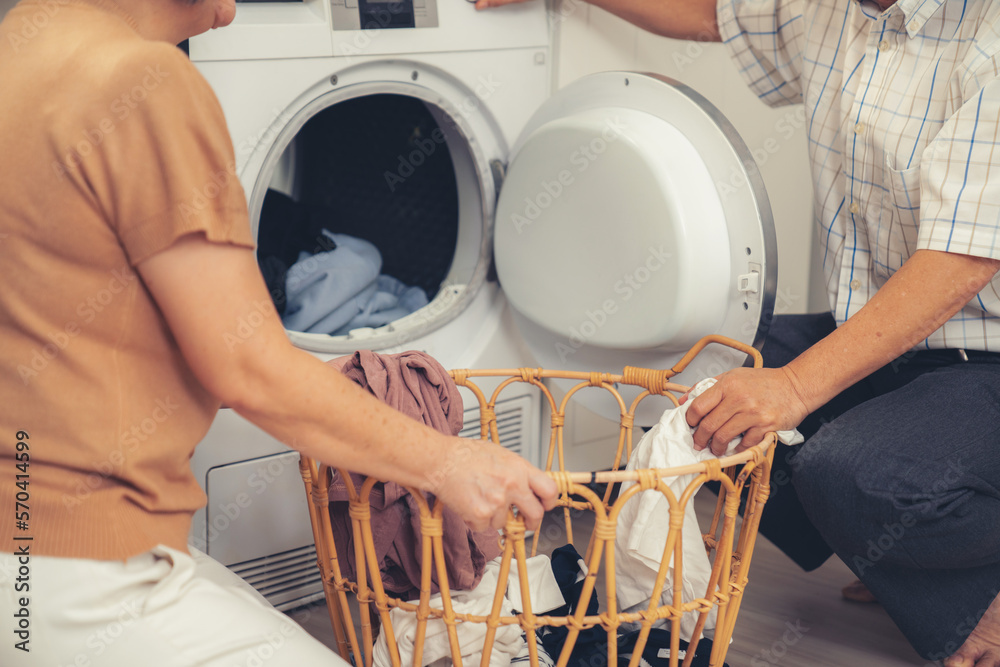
{"x":859,"y":128}
{"x":884,"y":45}
{"x":855,"y":284}
{"x":854,"y":207}
{"x":914,"y":26}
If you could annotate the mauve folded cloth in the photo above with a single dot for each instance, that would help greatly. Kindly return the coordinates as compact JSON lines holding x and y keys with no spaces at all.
{"x":418,"y":386}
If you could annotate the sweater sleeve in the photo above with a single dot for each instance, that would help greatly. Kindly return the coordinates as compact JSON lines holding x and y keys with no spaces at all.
{"x":159,"y":161}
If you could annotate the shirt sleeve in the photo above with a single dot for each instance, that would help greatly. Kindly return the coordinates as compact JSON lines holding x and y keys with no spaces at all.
{"x":162,"y":163}
{"x":765,"y":38}
{"x":960,"y":173}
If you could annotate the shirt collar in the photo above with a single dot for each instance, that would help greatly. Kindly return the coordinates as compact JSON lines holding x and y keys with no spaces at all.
{"x":915,"y":13}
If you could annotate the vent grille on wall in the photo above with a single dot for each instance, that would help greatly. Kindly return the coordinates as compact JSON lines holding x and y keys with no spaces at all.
{"x":287,"y":580}
{"x":513,"y":426}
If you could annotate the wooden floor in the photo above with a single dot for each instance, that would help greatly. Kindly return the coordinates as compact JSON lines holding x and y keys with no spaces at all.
{"x":788,"y":617}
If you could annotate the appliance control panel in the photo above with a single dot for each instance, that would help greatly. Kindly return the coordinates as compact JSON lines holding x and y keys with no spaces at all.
{"x":383,"y":14}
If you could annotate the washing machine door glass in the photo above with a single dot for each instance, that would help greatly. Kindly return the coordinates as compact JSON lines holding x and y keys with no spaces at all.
{"x":631,"y":223}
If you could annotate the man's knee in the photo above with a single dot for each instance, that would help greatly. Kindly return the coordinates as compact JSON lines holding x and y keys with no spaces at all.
{"x":816,"y":466}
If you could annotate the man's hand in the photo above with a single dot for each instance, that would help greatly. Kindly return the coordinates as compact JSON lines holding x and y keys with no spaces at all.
{"x":482,"y":480}
{"x":930,"y":287}
{"x":678,"y":19}
{"x":746,"y":401}
{"x":484,"y":4}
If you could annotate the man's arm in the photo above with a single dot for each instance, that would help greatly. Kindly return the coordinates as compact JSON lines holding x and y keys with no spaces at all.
{"x":205,"y":290}
{"x":680,"y":19}
{"x":927,"y":290}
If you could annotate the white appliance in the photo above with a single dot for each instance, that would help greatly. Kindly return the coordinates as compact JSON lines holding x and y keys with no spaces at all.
{"x":431,"y":129}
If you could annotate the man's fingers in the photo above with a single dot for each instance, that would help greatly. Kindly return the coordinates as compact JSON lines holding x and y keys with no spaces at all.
{"x":750,"y":438}
{"x":702,"y":405}
{"x":710,"y":427}
{"x":736,"y":427}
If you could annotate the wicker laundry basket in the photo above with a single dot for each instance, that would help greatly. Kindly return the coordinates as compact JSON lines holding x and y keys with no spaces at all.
{"x":743,"y":475}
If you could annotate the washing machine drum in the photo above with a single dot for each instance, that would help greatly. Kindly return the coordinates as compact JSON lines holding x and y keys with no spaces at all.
{"x":631,"y":223}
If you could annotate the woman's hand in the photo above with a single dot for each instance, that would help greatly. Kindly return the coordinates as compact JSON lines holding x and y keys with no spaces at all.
{"x":482,"y":480}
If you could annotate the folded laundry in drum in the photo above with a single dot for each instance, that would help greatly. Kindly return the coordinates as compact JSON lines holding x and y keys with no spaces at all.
{"x":336,"y":291}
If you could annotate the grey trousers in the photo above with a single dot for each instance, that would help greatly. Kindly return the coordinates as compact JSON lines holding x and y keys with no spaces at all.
{"x":900,"y":477}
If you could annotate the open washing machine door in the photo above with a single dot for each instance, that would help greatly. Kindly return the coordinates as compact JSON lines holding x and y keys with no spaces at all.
{"x":632,"y":222}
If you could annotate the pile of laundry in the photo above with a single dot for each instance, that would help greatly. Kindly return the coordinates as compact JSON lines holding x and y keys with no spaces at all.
{"x":342,"y":288}
{"x":555,"y":588}
{"x":417,"y":385}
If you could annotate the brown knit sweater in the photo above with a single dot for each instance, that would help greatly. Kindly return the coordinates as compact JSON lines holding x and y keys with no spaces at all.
{"x":111,"y":148}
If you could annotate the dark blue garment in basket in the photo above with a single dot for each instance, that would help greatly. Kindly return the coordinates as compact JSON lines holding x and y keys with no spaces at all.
{"x":591,"y":647}
{"x":656,"y":652}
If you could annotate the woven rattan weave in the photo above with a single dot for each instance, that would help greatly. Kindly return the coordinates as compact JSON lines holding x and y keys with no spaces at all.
{"x":728,"y":541}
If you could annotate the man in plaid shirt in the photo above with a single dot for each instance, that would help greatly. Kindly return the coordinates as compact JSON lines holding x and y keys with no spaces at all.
{"x":898,"y":388}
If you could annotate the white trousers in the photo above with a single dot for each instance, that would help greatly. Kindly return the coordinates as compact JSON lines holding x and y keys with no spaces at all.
{"x":162,"y":608}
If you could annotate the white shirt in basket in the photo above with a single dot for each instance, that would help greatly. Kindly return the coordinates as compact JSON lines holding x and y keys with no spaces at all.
{"x":643,"y":522}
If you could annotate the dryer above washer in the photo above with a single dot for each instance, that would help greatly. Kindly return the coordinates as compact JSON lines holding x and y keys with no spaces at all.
{"x":632,"y":222}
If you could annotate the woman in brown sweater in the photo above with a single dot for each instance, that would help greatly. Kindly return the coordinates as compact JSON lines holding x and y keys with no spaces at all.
{"x":128,"y":262}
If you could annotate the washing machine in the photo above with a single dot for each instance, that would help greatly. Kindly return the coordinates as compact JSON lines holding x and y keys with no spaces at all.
{"x":591,"y":228}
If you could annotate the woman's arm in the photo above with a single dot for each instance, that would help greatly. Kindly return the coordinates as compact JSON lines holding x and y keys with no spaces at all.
{"x":209,"y":293}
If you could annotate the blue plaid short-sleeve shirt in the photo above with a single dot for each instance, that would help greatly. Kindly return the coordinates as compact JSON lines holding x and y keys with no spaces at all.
{"x":903,"y":120}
